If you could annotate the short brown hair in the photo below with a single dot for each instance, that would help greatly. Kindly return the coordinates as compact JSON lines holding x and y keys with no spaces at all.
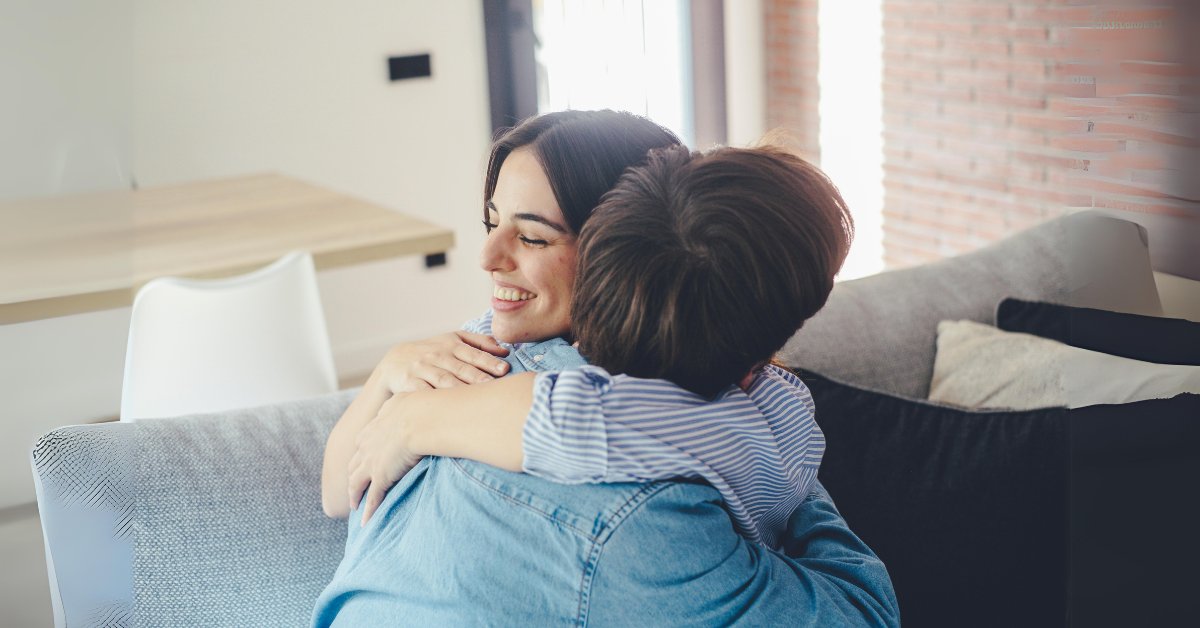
{"x":697,"y":267}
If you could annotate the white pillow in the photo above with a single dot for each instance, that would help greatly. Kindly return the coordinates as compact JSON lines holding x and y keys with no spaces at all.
{"x":979,"y":366}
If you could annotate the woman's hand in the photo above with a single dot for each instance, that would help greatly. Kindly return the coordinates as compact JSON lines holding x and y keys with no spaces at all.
{"x":385,"y":452}
{"x":443,"y":361}
{"x":483,"y":423}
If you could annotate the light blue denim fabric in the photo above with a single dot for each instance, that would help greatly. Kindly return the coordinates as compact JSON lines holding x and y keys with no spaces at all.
{"x":456,"y":542}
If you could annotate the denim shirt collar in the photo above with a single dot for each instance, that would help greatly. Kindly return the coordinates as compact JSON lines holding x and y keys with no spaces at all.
{"x":554,"y":354}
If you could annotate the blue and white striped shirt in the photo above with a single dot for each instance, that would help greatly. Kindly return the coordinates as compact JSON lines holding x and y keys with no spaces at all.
{"x":761,"y":448}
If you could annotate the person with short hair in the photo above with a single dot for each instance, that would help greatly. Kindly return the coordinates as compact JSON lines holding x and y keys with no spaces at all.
{"x":456,"y":540}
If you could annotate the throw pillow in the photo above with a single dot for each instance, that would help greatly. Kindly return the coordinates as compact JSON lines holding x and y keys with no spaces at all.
{"x":979,"y":366}
{"x":1000,"y":518}
{"x":967,"y":509}
{"x":1146,"y":338}
{"x":1133,"y":542}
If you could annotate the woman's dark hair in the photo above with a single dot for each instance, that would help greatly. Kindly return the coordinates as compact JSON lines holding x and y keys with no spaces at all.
{"x":582,"y":152}
{"x":698,"y":267}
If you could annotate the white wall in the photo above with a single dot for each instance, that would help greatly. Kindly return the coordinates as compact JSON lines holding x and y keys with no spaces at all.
{"x":66,"y":105}
{"x":185,"y":90}
{"x":226,"y":87}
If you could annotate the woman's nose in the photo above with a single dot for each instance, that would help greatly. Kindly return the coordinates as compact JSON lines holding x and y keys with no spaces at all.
{"x":494,"y":256}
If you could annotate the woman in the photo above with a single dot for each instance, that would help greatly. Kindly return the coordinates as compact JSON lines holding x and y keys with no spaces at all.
{"x":543,"y":179}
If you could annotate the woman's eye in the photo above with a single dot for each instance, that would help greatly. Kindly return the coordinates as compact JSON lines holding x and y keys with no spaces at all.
{"x":532,"y":242}
{"x":488,"y":226}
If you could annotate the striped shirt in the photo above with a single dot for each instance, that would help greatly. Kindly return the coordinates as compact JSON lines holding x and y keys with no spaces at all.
{"x":761,"y":448}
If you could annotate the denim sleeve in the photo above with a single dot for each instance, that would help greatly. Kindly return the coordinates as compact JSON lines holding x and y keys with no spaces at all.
{"x":677,"y":561}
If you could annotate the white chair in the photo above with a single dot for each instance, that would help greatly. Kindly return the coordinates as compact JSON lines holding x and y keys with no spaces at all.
{"x":212,"y":345}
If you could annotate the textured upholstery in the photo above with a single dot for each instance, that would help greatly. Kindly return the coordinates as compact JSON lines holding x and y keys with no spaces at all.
{"x":219,"y":514}
{"x":879,"y":332}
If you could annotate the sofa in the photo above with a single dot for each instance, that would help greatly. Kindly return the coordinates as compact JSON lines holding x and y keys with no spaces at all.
{"x":984,"y":517}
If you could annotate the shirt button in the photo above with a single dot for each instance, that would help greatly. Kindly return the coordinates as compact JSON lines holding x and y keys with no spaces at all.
{"x":538,"y":357}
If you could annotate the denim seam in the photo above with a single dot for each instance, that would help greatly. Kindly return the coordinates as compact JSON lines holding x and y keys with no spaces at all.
{"x":598,"y":543}
{"x":520,"y":503}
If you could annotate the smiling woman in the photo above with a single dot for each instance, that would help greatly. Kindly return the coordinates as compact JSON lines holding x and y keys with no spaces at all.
{"x":527,"y":248}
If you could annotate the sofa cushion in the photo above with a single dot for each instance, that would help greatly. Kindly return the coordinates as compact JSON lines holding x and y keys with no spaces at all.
{"x":878,"y":332}
{"x":1134,"y":516}
{"x":239,"y":543}
{"x":998,"y":518}
{"x":979,"y":366}
{"x":1145,"y":338}
{"x":967,"y":509}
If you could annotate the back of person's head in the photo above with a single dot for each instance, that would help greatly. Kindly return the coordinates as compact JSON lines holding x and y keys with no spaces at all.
{"x":698,"y":267}
{"x":582,"y":152}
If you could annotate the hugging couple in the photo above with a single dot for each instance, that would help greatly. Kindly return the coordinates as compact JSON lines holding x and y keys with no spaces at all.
{"x":610,"y":443}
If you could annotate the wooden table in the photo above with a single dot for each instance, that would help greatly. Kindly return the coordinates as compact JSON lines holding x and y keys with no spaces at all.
{"x":72,"y":254}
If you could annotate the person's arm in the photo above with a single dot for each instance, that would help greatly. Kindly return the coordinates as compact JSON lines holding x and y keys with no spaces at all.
{"x":444,"y":361}
{"x":482,"y":422}
{"x":584,"y":425}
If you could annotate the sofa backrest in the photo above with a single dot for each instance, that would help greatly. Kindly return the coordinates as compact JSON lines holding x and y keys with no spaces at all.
{"x":205,"y":520}
{"x":879,"y":332}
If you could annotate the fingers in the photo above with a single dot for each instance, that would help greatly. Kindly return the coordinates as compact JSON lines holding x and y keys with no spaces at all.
{"x":374,"y":499}
{"x":437,"y":376}
{"x":476,"y":366}
{"x":483,"y":342}
{"x":357,"y":482}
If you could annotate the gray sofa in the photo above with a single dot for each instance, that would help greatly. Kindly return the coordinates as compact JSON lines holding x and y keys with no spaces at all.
{"x":215,"y":520}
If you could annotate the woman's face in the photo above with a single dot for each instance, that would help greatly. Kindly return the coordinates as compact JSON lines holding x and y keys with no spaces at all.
{"x":530,"y":254}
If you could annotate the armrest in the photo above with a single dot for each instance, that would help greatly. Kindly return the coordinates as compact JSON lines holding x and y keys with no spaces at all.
{"x":210,"y":519}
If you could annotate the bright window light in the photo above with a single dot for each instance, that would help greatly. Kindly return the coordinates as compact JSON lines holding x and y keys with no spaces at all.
{"x":850,"y":75}
{"x":631,"y":55}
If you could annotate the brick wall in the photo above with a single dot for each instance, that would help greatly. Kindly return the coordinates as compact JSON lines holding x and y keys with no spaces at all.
{"x":1000,"y":114}
{"x":790,"y":29}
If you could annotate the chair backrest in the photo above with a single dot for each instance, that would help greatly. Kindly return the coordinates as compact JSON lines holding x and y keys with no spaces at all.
{"x":212,"y":345}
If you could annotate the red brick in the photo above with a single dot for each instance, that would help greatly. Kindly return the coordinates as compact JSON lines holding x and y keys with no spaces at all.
{"x":1011,"y":101}
{"x":915,"y":40}
{"x":1053,"y":15}
{"x":1071,"y":89}
{"x":1160,"y":68}
{"x":1017,"y":67}
{"x":973,"y":47}
{"x":1126,"y":188}
{"x":1108,"y":89}
{"x":1012,"y":32}
{"x":938,"y":26}
{"x":1081,"y":107}
{"x":1034,"y":50}
{"x":1137,"y":161}
{"x":1153,"y":103}
{"x":1134,"y":18}
{"x":1149,"y":206}
{"x":1051,"y":160}
{"x":975,"y":12}
{"x":1136,"y":132}
{"x":1085,"y":144}
{"x":1055,"y":124}
{"x":1136,"y":44}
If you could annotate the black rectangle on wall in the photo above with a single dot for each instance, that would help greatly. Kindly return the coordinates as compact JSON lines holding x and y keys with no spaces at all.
{"x":411,"y":66}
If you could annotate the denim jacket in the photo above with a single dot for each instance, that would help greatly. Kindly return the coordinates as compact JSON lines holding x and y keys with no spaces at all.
{"x":457,"y":542}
